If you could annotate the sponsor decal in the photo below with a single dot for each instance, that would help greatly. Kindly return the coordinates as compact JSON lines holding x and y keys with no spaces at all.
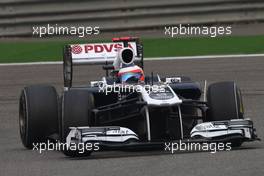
{"x":104,"y":47}
{"x":98,"y":50}
{"x":76,"y":49}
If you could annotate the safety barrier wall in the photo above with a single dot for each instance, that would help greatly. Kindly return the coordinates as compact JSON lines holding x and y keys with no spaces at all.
{"x":18,"y":16}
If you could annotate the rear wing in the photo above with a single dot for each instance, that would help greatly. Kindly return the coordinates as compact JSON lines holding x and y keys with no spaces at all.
{"x":97,"y":53}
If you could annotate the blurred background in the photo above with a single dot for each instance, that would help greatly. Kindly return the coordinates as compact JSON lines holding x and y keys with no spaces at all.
{"x":130,"y":17}
{"x":142,"y":18}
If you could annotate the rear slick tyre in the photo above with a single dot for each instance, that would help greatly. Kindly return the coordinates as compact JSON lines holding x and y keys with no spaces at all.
{"x":77,"y":108}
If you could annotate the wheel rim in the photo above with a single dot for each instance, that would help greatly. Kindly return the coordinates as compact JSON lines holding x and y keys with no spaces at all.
{"x":22,"y":118}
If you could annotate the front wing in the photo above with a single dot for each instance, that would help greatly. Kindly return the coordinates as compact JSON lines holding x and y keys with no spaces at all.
{"x":121,"y":138}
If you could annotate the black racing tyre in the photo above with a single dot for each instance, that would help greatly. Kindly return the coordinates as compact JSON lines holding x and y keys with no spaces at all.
{"x":38,"y":114}
{"x":77,"y":108}
{"x":225,"y":103}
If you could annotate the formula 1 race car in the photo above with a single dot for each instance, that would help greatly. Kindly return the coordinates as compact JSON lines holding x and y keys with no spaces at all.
{"x":127,"y":109}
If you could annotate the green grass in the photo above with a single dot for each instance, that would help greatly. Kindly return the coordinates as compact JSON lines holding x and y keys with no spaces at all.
{"x":30,"y":51}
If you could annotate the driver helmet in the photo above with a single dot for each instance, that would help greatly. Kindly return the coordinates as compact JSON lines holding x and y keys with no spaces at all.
{"x":131,"y":74}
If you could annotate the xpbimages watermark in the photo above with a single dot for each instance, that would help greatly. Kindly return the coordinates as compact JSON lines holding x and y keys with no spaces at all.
{"x":126,"y":88}
{"x":212,"y":147}
{"x":212,"y":31}
{"x":80,"y":31}
{"x":59,"y":146}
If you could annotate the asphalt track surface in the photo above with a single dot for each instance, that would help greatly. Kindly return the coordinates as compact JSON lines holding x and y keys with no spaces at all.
{"x":249,"y":160}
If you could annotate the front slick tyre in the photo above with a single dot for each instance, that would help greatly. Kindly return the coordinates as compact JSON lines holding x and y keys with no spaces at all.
{"x":38,"y":114}
{"x":225,"y":103}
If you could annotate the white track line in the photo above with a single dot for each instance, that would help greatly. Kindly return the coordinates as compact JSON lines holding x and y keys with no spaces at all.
{"x":206,"y":57}
{"x":151,"y":58}
{"x":32,"y":63}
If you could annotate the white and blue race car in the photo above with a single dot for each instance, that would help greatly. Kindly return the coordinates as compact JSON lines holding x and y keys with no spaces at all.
{"x":128,"y":109}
